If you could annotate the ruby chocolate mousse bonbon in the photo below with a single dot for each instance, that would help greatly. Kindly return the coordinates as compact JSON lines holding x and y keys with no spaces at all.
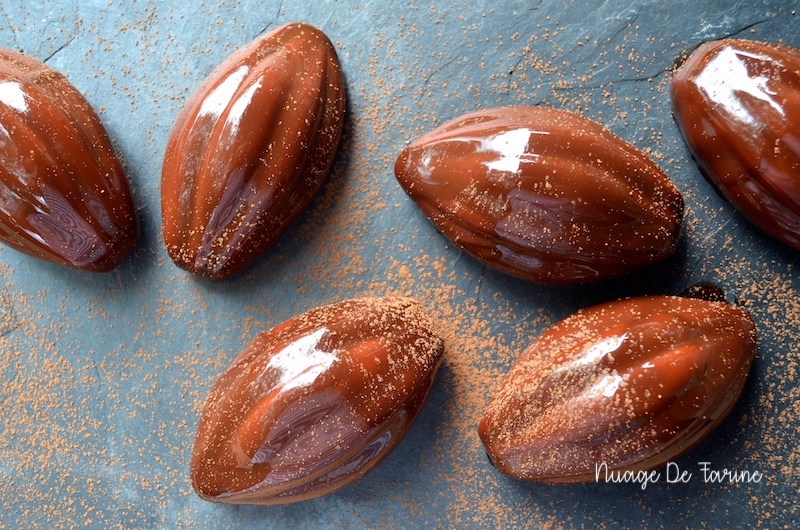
{"x":250,"y":150}
{"x":316,"y":402}
{"x":64,"y":196}
{"x":543,"y":194}
{"x":737,"y":104}
{"x":631,"y":384}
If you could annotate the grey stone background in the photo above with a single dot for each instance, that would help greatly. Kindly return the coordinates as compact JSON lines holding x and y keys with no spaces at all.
{"x":103,"y":377}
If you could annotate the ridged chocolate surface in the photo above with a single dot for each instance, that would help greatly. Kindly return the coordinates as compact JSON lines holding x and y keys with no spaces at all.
{"x":250,"y":150}
{"x":737,"y":104}
{"x":315,"y":403}
{"x":543,"y":194}
{"x":632,"y":383}
{"x":64,"y":196}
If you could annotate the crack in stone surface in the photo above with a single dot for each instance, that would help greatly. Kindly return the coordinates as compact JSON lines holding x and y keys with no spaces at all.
{"x":746,"y":28}
{"x":271,"y":22}
{"x":57,"y":50}
{"x":627,"y":24}
{"x":575,"y":85}
{"x":8,"y":317}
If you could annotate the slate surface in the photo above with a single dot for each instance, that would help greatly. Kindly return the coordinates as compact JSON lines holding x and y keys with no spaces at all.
{"x":103,"y":377}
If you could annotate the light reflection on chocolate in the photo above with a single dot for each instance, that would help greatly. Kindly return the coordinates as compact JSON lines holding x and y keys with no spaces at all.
{"x":542,"y":194}
{"x":63,"y":193}
{"x":250,"y":150}
{"x":632,"y":383}
{"x":315,"y":403}
{"x":737,"y":104}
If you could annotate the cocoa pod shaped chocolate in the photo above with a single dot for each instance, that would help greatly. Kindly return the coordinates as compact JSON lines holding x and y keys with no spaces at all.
{"x":250,"y":150}
{"x":315,"y":403}
{"x":737,"y":104}
{"x":631,"y":384}
{"x":542,"y":194}
{"x":64,"y":196}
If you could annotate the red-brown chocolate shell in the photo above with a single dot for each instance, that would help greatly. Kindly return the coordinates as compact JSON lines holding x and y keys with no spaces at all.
{"x":64,"y":196}
{"x":631,"y":384}
{"x":543,"y":194}
{"x":250,"y":150}
{"x":315,"y":403}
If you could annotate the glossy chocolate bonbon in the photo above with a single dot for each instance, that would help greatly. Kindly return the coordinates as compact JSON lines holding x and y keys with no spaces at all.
{"x":250,"y":150}
{"x":543,"y":194}
{"x":631,"y":384}
{"x":64,"y":196}
{"x":315,"y":403}
{"x":737,"y":104}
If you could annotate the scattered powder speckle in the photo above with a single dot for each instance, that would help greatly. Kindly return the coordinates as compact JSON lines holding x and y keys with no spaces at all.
{"x":103,"y":377}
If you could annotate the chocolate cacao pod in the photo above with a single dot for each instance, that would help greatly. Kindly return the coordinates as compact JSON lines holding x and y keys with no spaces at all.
{"x":250,"y":150}
{"x":542,"y":194}
{"x":737,"y":104}
{"x":64,"y":196}
{"x":315,"y":403}
{"x":631,"y":384}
